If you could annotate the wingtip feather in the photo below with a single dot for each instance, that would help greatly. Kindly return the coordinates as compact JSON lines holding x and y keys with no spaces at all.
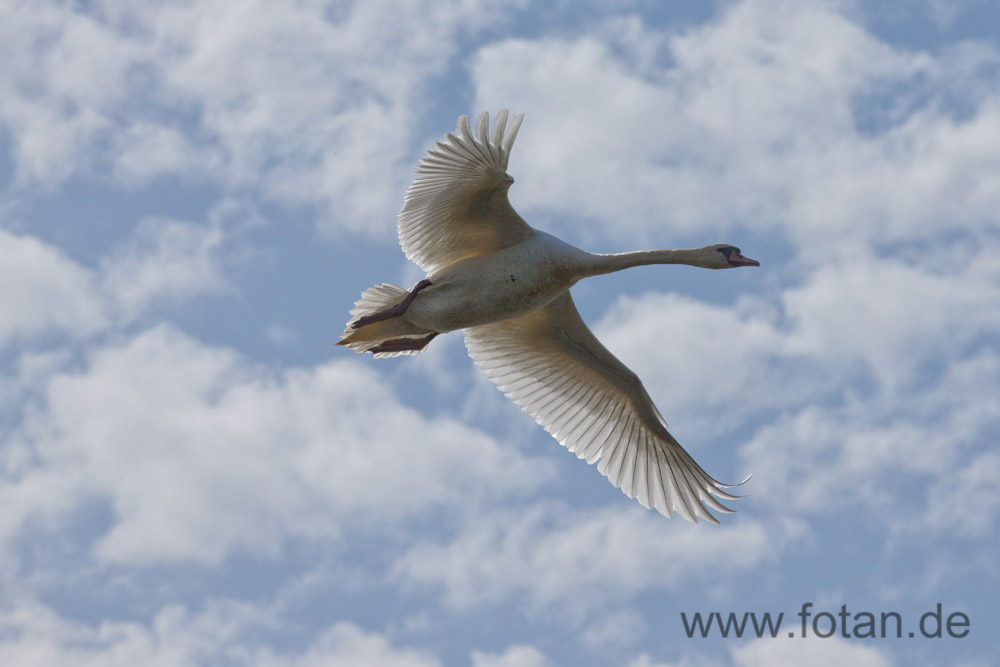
{"x":482,"y":126}
{"x":498,"y":128}
{"x":508,"y":141}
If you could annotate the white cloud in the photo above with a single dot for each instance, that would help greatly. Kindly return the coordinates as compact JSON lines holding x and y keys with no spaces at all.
{"x":860,"y":316}
{"x":514,"y":656}
{"x":888,"y":315}
{"x":62,"y":74}
{"x":200,"y":454}
{"x":346,"y":645}
{"x":582,"y":560}
{"x":164,"y":260}
{"x":756,"y":119}
{"x":301,"y":102}
{"x":644,"y":660}
{"x":145,"y":150}
{"x":967,"y":501}
{"x":616,"y":629}
{"x":44,"y":290}
{"x":865,"y":451}
{"x":831,"y":652}
{"x":35,"y":636}
{"x":222,"y":633}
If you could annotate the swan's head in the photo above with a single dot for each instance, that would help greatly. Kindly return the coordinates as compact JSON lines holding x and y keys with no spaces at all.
{"x":725,"y":256}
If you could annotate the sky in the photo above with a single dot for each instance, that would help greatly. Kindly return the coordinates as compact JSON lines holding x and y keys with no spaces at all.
{"x":193,"y":194}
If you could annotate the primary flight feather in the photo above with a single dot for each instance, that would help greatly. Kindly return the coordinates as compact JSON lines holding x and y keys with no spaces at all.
{"x":506,"y":285}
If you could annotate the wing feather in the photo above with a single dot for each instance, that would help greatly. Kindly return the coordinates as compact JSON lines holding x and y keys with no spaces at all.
{"x":550,"y":364}
{"x":457,"y":205}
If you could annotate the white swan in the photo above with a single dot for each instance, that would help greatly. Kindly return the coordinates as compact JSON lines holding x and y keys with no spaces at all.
{"x":507,"y":285}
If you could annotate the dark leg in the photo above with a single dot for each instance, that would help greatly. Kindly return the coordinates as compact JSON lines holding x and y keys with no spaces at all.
{"x":394,"y":311}
{"x":403,"y":344}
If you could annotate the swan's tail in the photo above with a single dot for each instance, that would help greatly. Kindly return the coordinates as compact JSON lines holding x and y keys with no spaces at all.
{"x":384,"y":338}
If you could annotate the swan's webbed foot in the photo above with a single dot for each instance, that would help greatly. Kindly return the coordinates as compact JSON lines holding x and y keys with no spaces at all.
{"x":394,"y":311}
{"x":403,"y":344}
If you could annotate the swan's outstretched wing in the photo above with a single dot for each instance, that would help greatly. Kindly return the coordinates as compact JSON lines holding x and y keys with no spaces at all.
{"x":552,"y":366}
{"x":457,"y":205}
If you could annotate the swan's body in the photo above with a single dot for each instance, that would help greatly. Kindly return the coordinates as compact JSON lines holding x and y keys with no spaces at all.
{"x":499,"y":285}
{"x":507,"y":286}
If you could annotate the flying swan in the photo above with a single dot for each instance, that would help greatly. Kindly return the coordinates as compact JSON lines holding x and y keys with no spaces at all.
{"x":506,"y":285}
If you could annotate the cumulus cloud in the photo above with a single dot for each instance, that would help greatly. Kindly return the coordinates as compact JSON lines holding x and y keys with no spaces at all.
{"x":971,"y":483}
{"x":820,"y":652}
{"x":160,"y":261}
{"x":200,"y":454}
{"x":549,"y":555}
{"x":304,"y":103}
{"x":57,"y":101}
{"x":222,"y":633}
{"x":772,"y":118}
{"x":866,"y":315}
{"x":164,"y":260}
{"x":347,"y":645}
{"x":887,"y":314}
{"x":514,"y":656}
{"x":645,"y":660}
{"x":44,"y":290}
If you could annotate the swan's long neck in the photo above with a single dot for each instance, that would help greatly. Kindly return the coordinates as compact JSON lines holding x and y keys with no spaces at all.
{"x":601,"y":264}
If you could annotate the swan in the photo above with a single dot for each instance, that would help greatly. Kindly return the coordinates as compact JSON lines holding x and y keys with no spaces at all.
{"x":506,"y":285}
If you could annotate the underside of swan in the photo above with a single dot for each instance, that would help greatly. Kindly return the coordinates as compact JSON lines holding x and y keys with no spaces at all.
{"x":507,"y":286}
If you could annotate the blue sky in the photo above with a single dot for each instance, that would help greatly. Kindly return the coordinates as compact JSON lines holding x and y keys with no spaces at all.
{"x":194,"y":194}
